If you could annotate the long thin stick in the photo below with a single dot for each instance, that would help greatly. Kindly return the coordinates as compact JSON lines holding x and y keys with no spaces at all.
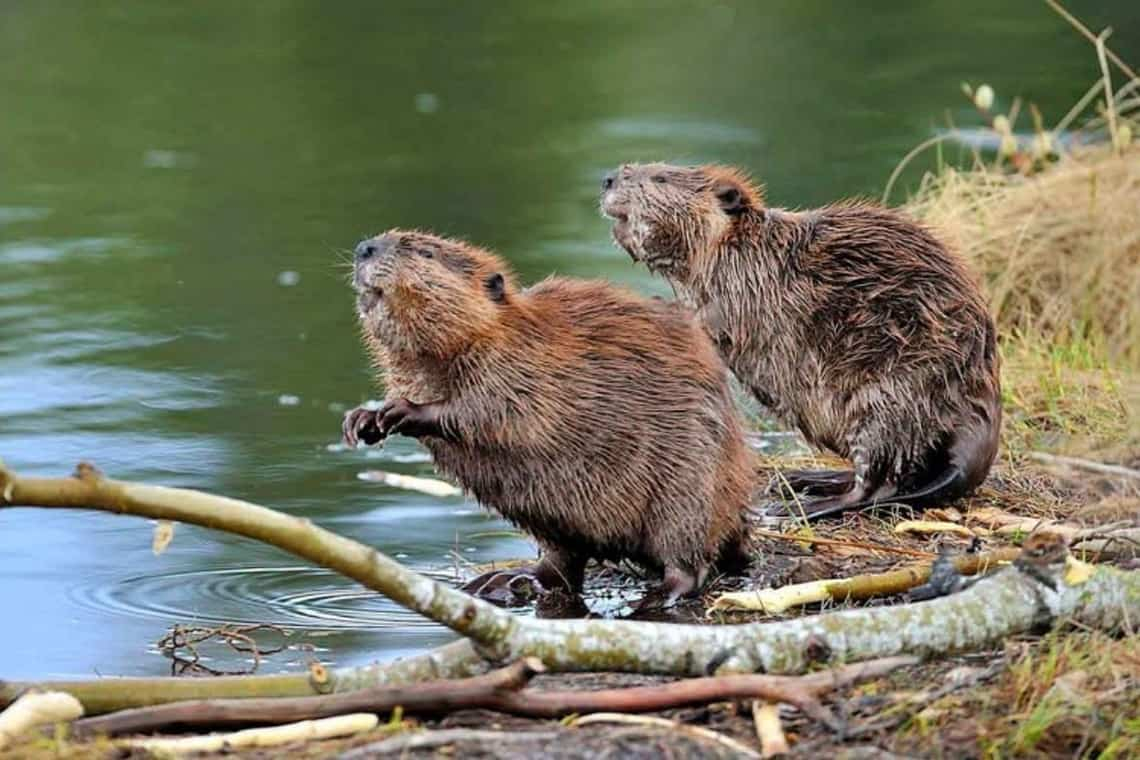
{"x":1109,"y":105}
{"x":1084,"y":30}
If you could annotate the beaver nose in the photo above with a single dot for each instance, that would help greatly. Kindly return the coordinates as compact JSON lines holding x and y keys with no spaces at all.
{"x":365,"y":250}
{"x":609,"y":181}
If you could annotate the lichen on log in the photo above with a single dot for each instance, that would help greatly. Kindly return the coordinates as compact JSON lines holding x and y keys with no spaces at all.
{"x":1014,"y":600}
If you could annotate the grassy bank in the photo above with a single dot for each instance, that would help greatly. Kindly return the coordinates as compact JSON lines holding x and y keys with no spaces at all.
{"x":1050,"y":220}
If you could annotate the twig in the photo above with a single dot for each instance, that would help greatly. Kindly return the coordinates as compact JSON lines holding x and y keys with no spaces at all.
{"x":933,"y":526}
{"x":920,"y":703}
{"x":432,"y":739}
{"x":1086,"y":464}
{"x":237,"y":638}
{"x":502,"y":691}
{"x":1109,"y":104}
{"x":796,"y":538}
{"x":696,"y":732}
{"x":1084,"y":30}
{"x":906,"y":160}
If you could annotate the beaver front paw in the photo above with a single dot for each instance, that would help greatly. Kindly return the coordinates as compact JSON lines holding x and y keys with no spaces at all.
{"x":409,"y":418}
{"x":361,"y":424}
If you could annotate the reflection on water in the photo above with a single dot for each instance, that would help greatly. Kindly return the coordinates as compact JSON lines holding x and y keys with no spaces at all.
{"x":181,"y":182}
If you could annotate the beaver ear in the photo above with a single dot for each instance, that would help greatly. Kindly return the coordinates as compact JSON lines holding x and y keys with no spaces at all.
{"x":496,"y":287}
{"x":731,"y":197}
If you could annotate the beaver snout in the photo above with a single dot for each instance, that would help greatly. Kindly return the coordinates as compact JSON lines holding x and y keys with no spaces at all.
{"x":613,"y":209}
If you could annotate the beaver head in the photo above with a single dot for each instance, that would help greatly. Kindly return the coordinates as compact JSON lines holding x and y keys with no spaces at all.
{"x":422,"y":294}
{"x":669,"y":217}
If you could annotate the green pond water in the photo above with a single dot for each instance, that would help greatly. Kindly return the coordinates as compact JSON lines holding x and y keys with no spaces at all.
{"x":180,"y":183}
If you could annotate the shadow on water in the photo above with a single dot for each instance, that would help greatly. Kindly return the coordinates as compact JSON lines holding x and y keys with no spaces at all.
{"x":179,"y":183}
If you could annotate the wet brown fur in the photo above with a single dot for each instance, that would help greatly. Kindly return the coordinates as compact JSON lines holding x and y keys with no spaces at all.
{"x":850,"y":322}
{"x":598,"y":421}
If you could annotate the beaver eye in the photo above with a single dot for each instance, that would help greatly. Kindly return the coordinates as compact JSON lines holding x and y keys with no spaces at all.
{"x":659,"y":179}
{"x":427,"y":253}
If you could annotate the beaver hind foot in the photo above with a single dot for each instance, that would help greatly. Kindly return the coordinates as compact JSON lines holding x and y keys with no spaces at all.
{"x":950,"y":483}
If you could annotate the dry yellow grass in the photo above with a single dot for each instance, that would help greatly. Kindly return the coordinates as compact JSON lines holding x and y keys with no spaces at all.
{"x":1058,"y":250}
{"x":1054,"y":233}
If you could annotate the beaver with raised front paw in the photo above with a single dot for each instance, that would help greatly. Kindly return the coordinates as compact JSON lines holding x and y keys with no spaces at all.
{"x":598,"y":421}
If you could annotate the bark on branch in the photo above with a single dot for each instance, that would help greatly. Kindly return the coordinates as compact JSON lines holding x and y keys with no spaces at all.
{"x":1009,"y":601}
{"x":501,"y":691}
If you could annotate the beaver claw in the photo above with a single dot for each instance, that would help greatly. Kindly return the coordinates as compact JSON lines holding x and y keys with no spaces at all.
{"x":361,"y":424}
{"x":396,"y":416}
{"x":506,"y":588}
{"x":409,"y":418}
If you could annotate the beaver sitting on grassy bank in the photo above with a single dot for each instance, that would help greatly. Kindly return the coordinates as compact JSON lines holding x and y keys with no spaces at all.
{"x":850,"y":322}
{"x":598,"y":421}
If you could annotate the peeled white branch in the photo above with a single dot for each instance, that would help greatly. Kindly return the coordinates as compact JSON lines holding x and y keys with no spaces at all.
{"x":36,"y":709}
{"x":250,"y":738}
{"x":774,"y":601}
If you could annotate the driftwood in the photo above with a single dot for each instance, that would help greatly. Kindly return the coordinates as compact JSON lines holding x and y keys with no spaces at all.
{"x":501,"y":691}
{"x":1010,"y":601}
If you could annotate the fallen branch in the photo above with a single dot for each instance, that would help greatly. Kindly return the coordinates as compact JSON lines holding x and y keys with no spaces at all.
{"x":501,"y":691}
{"x":434,"y":697}
{"x":36,"y":709}
{"x":309,"y":730}
{"x":774,"y":601}
{"x":1004,"y":603}
{"x":456,"y":660}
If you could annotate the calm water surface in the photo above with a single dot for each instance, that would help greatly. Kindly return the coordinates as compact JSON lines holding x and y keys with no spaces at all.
{"x":179,"y":183}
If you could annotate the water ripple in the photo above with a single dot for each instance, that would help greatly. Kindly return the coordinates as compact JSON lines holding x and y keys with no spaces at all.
{"x":302,"y":598}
